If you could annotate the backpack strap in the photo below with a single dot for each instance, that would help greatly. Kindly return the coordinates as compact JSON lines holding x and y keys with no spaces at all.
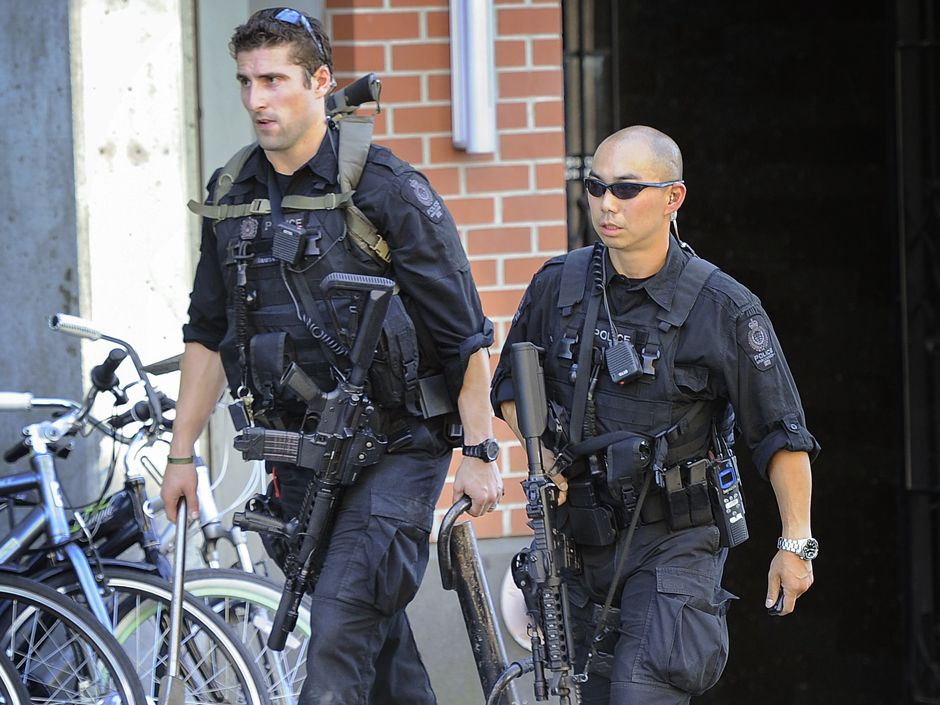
{"x":355,"y":136}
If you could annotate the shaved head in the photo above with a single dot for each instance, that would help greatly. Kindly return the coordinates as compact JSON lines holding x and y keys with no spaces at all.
{"x":661,"y":152}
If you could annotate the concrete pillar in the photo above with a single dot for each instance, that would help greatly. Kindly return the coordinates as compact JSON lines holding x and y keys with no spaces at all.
{"x":39,"y":267}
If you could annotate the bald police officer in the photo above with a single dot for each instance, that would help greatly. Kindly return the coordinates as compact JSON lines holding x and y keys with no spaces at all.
{"x":679,"y":353}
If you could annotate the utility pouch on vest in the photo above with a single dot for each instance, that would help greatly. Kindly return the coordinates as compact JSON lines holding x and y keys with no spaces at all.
{"x":687,"y":495}
{"x":393,"y":377}
{"x":626,"y":459}
{"x":590,"y":522}
{"x":267,"y":357}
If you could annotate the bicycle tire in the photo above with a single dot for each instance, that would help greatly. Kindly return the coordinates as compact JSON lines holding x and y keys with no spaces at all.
{"x":248,"y":603}
{"x":60,"y":651}
{"x":12,"y":690}
{"x":214,"y":666}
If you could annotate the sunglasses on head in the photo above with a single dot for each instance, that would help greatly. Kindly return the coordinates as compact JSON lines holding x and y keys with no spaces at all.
{"x":624,"y":190}
{"x":296,"y":18}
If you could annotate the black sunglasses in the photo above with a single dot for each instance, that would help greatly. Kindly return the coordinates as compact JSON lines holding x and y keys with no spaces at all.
{"x":624,"y":190}
{"x":296,"y":18}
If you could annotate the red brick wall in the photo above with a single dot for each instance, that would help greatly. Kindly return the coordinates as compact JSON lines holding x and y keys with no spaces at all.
{"x":509,"y":205}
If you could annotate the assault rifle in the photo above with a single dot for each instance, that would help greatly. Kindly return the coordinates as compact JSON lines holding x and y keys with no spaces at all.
{"x":342,"y":445}
{"x":539,"y":571}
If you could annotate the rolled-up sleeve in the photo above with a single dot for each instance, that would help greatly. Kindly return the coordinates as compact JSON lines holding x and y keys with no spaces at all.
{"x":762,"y":390}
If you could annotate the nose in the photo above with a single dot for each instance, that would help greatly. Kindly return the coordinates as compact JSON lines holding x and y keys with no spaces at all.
{"x":254,"y":97}
{"x":609,"y":202}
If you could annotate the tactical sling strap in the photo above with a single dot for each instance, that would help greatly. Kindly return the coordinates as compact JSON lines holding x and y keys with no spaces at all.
{"x":355,"y":136}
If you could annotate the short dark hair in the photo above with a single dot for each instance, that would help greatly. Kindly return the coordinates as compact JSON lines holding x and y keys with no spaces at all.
{"x":309,"y":49}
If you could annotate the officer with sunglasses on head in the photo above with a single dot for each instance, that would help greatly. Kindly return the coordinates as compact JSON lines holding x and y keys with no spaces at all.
{"x":273,"y":229}
{"x":653,"y":361}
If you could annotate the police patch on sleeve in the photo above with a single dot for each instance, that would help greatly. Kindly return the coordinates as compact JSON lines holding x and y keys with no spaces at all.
{"x":418,"y":193}
{"x":754,"y":337}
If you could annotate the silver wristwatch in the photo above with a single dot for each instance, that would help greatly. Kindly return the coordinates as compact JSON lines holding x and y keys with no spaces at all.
{"x":807,"y":549}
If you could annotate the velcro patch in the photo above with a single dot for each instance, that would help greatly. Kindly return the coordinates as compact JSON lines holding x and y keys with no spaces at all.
{"x":419,"y":193}
{"x":755,"y":339}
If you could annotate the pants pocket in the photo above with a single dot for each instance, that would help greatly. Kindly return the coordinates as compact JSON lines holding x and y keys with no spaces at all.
{"x":389,"y":562}
{"x":685,"y":644}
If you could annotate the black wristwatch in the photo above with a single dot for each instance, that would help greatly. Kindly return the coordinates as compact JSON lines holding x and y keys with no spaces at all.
{"x":488,"y":450}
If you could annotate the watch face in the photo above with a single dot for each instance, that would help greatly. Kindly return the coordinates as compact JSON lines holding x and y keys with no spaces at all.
{"x":490,"y":450}
{"x":811,"y":549}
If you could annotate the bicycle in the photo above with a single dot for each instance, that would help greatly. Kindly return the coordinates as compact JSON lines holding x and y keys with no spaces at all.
{"x":245,"y":600}
{"x":58,"y":652}
{"x":63,"y":559}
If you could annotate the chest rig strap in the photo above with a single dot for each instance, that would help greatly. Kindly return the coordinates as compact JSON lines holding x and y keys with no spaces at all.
{"x":355,"y":137}
{"x":569,"y":295}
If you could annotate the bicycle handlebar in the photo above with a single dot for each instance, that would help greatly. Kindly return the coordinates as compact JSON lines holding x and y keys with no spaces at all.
{"x":102,"y":376}
{"x":141,"y":412}
{"x":73,"y":325}
{"x":25,"y":401}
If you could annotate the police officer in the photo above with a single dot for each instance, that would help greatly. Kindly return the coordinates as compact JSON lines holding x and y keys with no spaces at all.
{"x":679,"y":352}
{"x":254,"y":310}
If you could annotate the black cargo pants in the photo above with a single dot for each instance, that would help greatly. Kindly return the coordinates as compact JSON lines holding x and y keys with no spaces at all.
{"x":670,"y":639}
{"x":362,"y":651}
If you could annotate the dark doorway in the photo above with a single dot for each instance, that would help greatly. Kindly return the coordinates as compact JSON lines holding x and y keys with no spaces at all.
{"x":785,"y":115}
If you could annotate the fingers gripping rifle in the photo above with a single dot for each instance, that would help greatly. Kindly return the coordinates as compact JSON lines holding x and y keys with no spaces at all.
{"x":539,"y":571}
{"x":342,"y":445}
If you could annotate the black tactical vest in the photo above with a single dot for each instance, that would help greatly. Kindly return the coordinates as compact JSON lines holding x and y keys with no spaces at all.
{"x":273,"y":306}
{"x":667,"y":400}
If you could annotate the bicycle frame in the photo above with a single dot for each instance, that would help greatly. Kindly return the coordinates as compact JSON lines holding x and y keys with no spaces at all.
{"x":49,"y":516}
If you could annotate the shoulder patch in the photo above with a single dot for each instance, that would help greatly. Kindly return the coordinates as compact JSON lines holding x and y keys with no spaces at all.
{"x":755,"y":339}
{"x":416,"y":191}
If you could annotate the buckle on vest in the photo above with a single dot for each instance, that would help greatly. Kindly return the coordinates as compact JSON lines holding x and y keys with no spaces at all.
{"x":257,"y":207}
{"x":650,"y":354}
{"x":329,"y":201}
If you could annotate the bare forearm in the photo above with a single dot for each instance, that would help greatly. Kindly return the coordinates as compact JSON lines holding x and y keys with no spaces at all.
{"x":508,"y":411}
{"x":474,"y":400}
{"x":202,"y":381}
{"x":792,"y":481}
{"x":476,"y":478}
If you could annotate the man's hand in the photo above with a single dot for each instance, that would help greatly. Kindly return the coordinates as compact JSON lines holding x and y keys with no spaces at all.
{"x":790,"y":573}
{"x":179,"y":481}
{"x":481,"y":482}
{"x":548,"y":462}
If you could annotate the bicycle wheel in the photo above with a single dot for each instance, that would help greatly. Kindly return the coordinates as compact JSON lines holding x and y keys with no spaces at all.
{"x":248,"y":603}
{"x":60,"y":651}
{"x":214,"y":666}
{"x":12,"y":690}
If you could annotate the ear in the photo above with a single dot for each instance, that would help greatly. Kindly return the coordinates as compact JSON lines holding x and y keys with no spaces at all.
{"x":323,"y":81}
{"x":675,"y":200}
